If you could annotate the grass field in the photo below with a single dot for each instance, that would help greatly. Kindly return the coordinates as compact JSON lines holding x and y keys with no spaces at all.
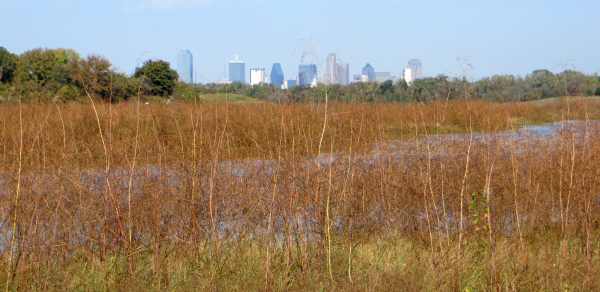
{"x":226,"y":196}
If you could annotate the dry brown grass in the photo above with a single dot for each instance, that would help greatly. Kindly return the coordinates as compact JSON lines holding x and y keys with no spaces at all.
{"x":234,"y":197}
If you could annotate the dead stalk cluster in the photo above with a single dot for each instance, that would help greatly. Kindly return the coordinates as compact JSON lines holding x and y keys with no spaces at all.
{"x":443,"y":196}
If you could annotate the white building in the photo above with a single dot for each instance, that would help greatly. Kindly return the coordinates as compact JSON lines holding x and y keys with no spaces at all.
{"x":407,"y":75}
{"x":361,"y":78}
{"x":314,"y":82}
{"x":258,"y":76}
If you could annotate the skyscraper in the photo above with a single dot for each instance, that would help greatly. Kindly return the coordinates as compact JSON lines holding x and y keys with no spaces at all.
{"x":330,"y":74}
{"x":382,"y":76}
{"x":277,"y":75}
{"x":343,"y":73}
{"x":407,"y":75}
{"x":369,"y":71}
{"x":185,"y":66}
{"x":258,"y":76}
{"x":306,"y":74}
{"x":237,"y":70}
{"x":290,"y":83}
{"x":416,"y":68}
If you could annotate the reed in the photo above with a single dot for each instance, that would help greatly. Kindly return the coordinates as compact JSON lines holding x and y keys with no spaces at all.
{"x":444,"y":196}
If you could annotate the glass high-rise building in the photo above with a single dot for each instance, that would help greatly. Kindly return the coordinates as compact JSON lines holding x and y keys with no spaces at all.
{"x":331,"y":69}
{"x":306,"y":74}
{"x":369,"y":71}
{"x":185,"y":66}
{"x":277,"y":75}
{"x":290,"y":83}
{"x":343,"y":73}
{"x":237,"y":70}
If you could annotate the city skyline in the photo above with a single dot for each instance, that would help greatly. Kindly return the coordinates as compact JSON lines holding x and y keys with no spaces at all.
{"x":516,"y":47}
{"x":308,"y":74}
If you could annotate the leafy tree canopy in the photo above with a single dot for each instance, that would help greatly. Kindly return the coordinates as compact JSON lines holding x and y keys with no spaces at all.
{"x":163,"y":78}
{"x":8,"y":63}
{"x":94,"y":76}
{"x":44,"y":66}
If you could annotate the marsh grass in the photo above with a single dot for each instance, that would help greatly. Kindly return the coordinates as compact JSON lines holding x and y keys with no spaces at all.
{"x":224,"y":196}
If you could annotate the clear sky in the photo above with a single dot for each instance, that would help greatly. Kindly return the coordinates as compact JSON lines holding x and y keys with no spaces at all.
{"x":501,"y":36}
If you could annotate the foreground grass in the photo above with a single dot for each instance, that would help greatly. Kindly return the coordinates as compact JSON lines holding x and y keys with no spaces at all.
{"x":399,"y":263}
{"x":215,"y":197}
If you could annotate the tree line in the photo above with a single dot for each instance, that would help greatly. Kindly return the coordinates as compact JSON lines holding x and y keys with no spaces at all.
{"x":62,"y":74}
{"x":540,"y":84}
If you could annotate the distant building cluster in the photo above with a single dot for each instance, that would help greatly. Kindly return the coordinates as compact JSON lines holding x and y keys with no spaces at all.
{"x":334,"y":71}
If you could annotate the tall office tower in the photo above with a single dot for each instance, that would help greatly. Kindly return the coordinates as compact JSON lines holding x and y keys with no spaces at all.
{"x":306,"y":74}
{"x":416,"y":68}
{"x":369,"y":71}
{"x":382,"y":76}
{"x":277,"y":76}
{"x":237,"y":70}
{"x":330,"y":74}
{"x":407,"y":75}
{"x":343,"y":73}
{"x":290,"y":83}
{"x":185,"y":66}
{"x":258,"y":76}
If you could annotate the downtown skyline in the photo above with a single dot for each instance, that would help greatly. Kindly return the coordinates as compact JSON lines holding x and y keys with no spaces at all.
{"x":332,"y":71}
{"x":509,"y":37}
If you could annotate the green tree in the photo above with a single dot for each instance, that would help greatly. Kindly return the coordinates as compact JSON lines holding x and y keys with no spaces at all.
{"x":8,"y":63}
{"x":543,"y":83}
{"x":35,"y":65}
{"x":64,"y":59}
{"x":431,"y":88}
{"x":47,"y":68}
{"x":386,"y":87}
{"x":95,"y":77}
{"x":163,"y":79}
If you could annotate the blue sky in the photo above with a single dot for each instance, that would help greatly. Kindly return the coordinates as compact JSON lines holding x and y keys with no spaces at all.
{"x":502,"y":37}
